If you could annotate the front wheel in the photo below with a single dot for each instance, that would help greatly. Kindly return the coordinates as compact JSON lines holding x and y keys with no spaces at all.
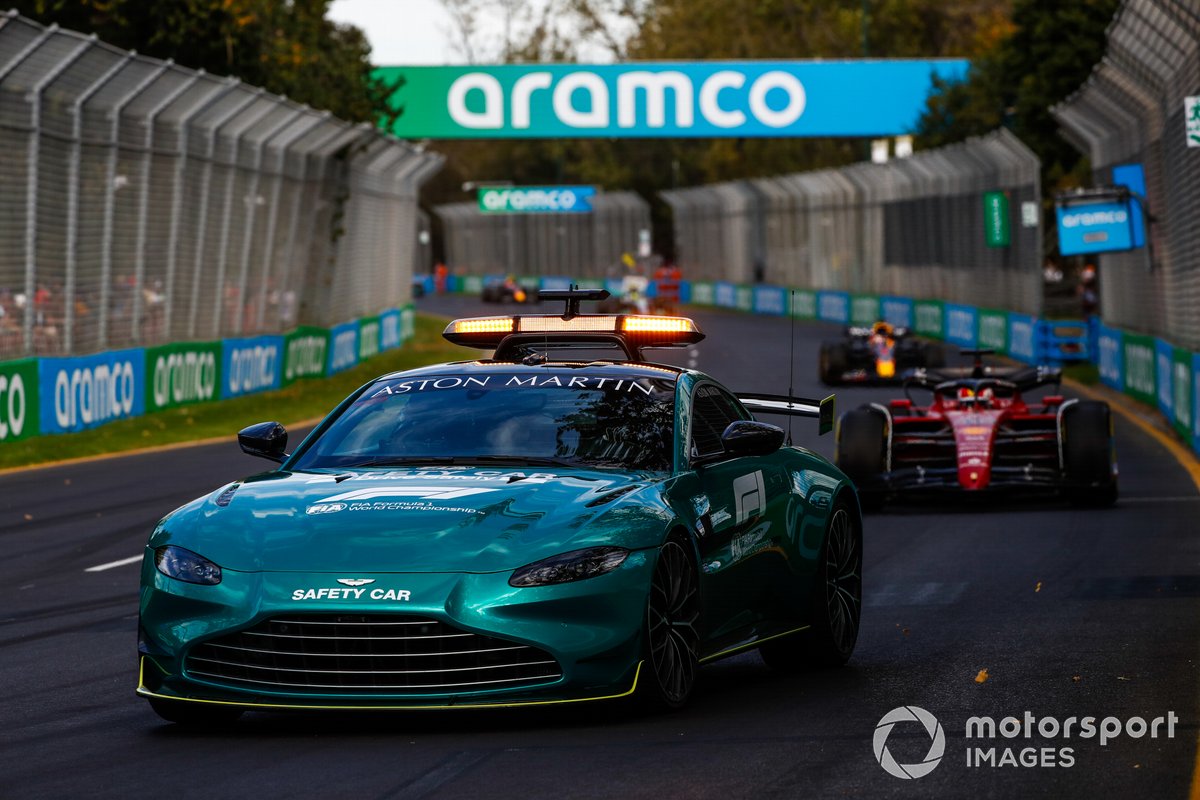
{"x":672,"y":640}
{"x":835,"y":605}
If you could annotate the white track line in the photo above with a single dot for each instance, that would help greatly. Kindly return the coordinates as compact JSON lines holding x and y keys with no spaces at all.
{"x":111,"y":564}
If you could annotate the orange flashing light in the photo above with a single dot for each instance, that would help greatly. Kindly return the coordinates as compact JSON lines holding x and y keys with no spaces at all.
{"x":634,"y":324}
{"x":482,"y":325}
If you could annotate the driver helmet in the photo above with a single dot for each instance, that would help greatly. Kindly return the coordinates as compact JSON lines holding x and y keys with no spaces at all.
{"x":882,"y":329}
{"x":966,"y":394}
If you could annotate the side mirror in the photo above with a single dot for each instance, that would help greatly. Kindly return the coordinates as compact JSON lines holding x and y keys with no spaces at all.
{"x":265,"y":440}
{"x":751,"y":438}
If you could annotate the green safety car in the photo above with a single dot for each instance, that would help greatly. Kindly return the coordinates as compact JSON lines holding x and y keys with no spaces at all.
{"x":561,"y":522}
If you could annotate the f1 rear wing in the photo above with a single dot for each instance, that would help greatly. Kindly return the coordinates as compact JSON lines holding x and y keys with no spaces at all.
{"x":823,"y":410}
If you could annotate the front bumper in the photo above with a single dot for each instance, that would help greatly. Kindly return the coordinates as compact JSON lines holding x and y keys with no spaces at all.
{"x":592,"y":629}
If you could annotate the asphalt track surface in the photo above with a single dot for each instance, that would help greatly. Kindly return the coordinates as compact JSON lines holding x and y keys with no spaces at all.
{"x":1072,"y":613}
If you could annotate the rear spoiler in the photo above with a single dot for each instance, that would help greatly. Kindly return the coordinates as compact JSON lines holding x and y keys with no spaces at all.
{"x":823,"y":410}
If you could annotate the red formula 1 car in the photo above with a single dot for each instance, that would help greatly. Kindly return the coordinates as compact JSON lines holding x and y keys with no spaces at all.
{"x":978,"y":434}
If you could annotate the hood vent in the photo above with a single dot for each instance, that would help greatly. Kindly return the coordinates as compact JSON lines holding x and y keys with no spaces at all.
{"x":227,"y":495}
{"x":615,"y":494}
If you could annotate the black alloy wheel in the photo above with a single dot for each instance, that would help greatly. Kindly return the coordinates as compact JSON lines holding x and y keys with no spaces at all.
{"x":672,"y":638}
{"x":843,"y":582}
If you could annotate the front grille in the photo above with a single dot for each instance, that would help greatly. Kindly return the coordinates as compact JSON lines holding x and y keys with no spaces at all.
{"x":364,"y":654}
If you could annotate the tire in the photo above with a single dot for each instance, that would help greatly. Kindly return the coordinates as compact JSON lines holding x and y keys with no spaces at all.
{"x":197,"y":715}
{"x":835,"y":358}
{"x":861,"y":440}
{"x":671,"y":638}
{"x":835,"y":605}
{"x":934,"y":355}
{"x":1088,"y":454}
{"x":489,"y":295}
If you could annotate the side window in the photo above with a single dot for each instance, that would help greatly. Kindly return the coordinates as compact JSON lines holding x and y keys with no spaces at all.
{"x":712,"y":411}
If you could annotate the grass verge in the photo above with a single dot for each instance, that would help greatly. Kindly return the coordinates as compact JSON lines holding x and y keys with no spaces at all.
{"x":302,"y":400}
{"x":1087,"y":374}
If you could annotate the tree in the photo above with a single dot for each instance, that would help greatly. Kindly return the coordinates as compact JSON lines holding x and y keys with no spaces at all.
{"x":1048,"y":53}
{"x":287,"y":48}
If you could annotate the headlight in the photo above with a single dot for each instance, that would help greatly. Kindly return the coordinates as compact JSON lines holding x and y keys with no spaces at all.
{"x":566,"y":567}
{"x":184,"y":565}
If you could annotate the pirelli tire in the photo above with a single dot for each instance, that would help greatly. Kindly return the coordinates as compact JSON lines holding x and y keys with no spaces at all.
{"x":833,"y":363}
{"x":1089,"y":454}
{"x":861,"y":453}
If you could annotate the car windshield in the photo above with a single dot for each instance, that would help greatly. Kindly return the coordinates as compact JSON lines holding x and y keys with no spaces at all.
{"x":568,"y":417}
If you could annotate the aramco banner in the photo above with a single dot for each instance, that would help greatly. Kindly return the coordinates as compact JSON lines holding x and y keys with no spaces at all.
{"x":665,"y":99}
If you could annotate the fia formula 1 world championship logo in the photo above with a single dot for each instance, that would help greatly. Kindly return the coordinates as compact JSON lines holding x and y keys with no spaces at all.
{"x":937,"y":748}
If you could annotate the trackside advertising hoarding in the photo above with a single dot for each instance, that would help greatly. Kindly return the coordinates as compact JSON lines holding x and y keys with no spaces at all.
{"x":251,"y":365}
{"x":368,"y":338}
{"x":41,"y":396}
{"x":304,"y":354}
{"x":81,"y":392}
{"x":664,"y":99}
{"x":18,"y":400}
{"x":182,"y":374}
{"x":343,"y":347}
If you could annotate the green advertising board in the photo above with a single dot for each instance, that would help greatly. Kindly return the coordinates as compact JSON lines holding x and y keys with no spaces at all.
{"x":182,"y":374}
{"x":864,"y":309}
{"x":1182,"y":382}
{"x":996,"y":223}
{"x":927,"y":318}
{"x":408,"y":322}
{"x":305,"y":353}
{"x":804,"y":303}
{"x":18,"y":400}
{"x":745,"y":298}
{"x":1139,"y":368}
{"x":702,"y":293}
{"x":993,"y":330}
{"x":368,"y":338}
{"x":471,"y":284}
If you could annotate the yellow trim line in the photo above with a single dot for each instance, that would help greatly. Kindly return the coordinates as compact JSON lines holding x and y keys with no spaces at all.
{"x":750,"y":645}
{"x":1186,"y":459}
{"x":144,"y":692}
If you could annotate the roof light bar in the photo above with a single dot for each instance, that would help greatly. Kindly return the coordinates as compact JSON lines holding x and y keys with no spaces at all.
{"x":642,"y":331}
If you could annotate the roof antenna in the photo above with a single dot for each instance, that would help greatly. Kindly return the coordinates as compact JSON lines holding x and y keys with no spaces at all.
{"x":791,"y":359}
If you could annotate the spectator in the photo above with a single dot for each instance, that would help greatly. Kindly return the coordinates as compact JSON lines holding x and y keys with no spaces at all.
{"x":1089,"y":292}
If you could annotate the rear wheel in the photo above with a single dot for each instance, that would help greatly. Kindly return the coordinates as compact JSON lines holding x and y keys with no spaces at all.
{"x":861,"y":440}
{"x":836,"y":602}
{"x":672,"y":639}
{"x":197,"y":715}
{"x":1088,"y":454}
{"x":834,"y":361}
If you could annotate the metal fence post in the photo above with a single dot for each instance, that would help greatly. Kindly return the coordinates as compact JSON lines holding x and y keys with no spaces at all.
{"x":210,"y":148}
{"x":251,"y":213}
{"x":31,"y":187}
{"x":72,"y":255}
{"x":295,"y":133}
{"x":144,"y":201}
{"x":110,"y":199}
